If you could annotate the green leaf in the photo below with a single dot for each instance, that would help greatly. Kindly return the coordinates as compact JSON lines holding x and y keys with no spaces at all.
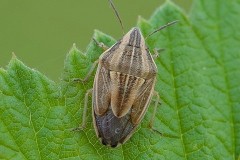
{"x":198,"y":81}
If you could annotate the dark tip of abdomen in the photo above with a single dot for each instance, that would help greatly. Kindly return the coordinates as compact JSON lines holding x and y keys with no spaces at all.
{"x":104,"y":142}
{"x":113,"y":145}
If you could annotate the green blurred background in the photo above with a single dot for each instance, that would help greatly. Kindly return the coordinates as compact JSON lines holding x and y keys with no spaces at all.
{"x":40,"y":33}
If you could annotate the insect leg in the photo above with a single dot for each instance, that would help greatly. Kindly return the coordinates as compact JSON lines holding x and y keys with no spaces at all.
{"x":88,"y":75}
{"x":157,"y":52}
{"x":157,"y":101}
{"x":84,"y":116}
{"x":104,"y":47}
{"x":100,"y":44}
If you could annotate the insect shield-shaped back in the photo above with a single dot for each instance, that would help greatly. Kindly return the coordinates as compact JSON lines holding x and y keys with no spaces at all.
{"x":123,"y":87}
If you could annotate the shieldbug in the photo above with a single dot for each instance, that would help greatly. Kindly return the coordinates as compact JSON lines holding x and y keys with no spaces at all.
{"x":123,"y":87}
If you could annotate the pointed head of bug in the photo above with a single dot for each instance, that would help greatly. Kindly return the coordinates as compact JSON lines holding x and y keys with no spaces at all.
{"x":134,"y":38}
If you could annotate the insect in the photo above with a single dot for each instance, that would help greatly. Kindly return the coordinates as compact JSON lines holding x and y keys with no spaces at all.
{"x":123,"y":87}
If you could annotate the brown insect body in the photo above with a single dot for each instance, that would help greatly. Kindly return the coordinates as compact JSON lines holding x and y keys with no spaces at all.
{"x":123,"y":88}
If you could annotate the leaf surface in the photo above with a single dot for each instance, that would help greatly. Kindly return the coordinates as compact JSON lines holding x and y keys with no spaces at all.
{"x":198,"y":81}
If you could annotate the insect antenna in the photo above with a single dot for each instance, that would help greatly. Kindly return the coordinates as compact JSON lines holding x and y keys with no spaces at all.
{"x":117,"y":14}
{"x":162,"y":27}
